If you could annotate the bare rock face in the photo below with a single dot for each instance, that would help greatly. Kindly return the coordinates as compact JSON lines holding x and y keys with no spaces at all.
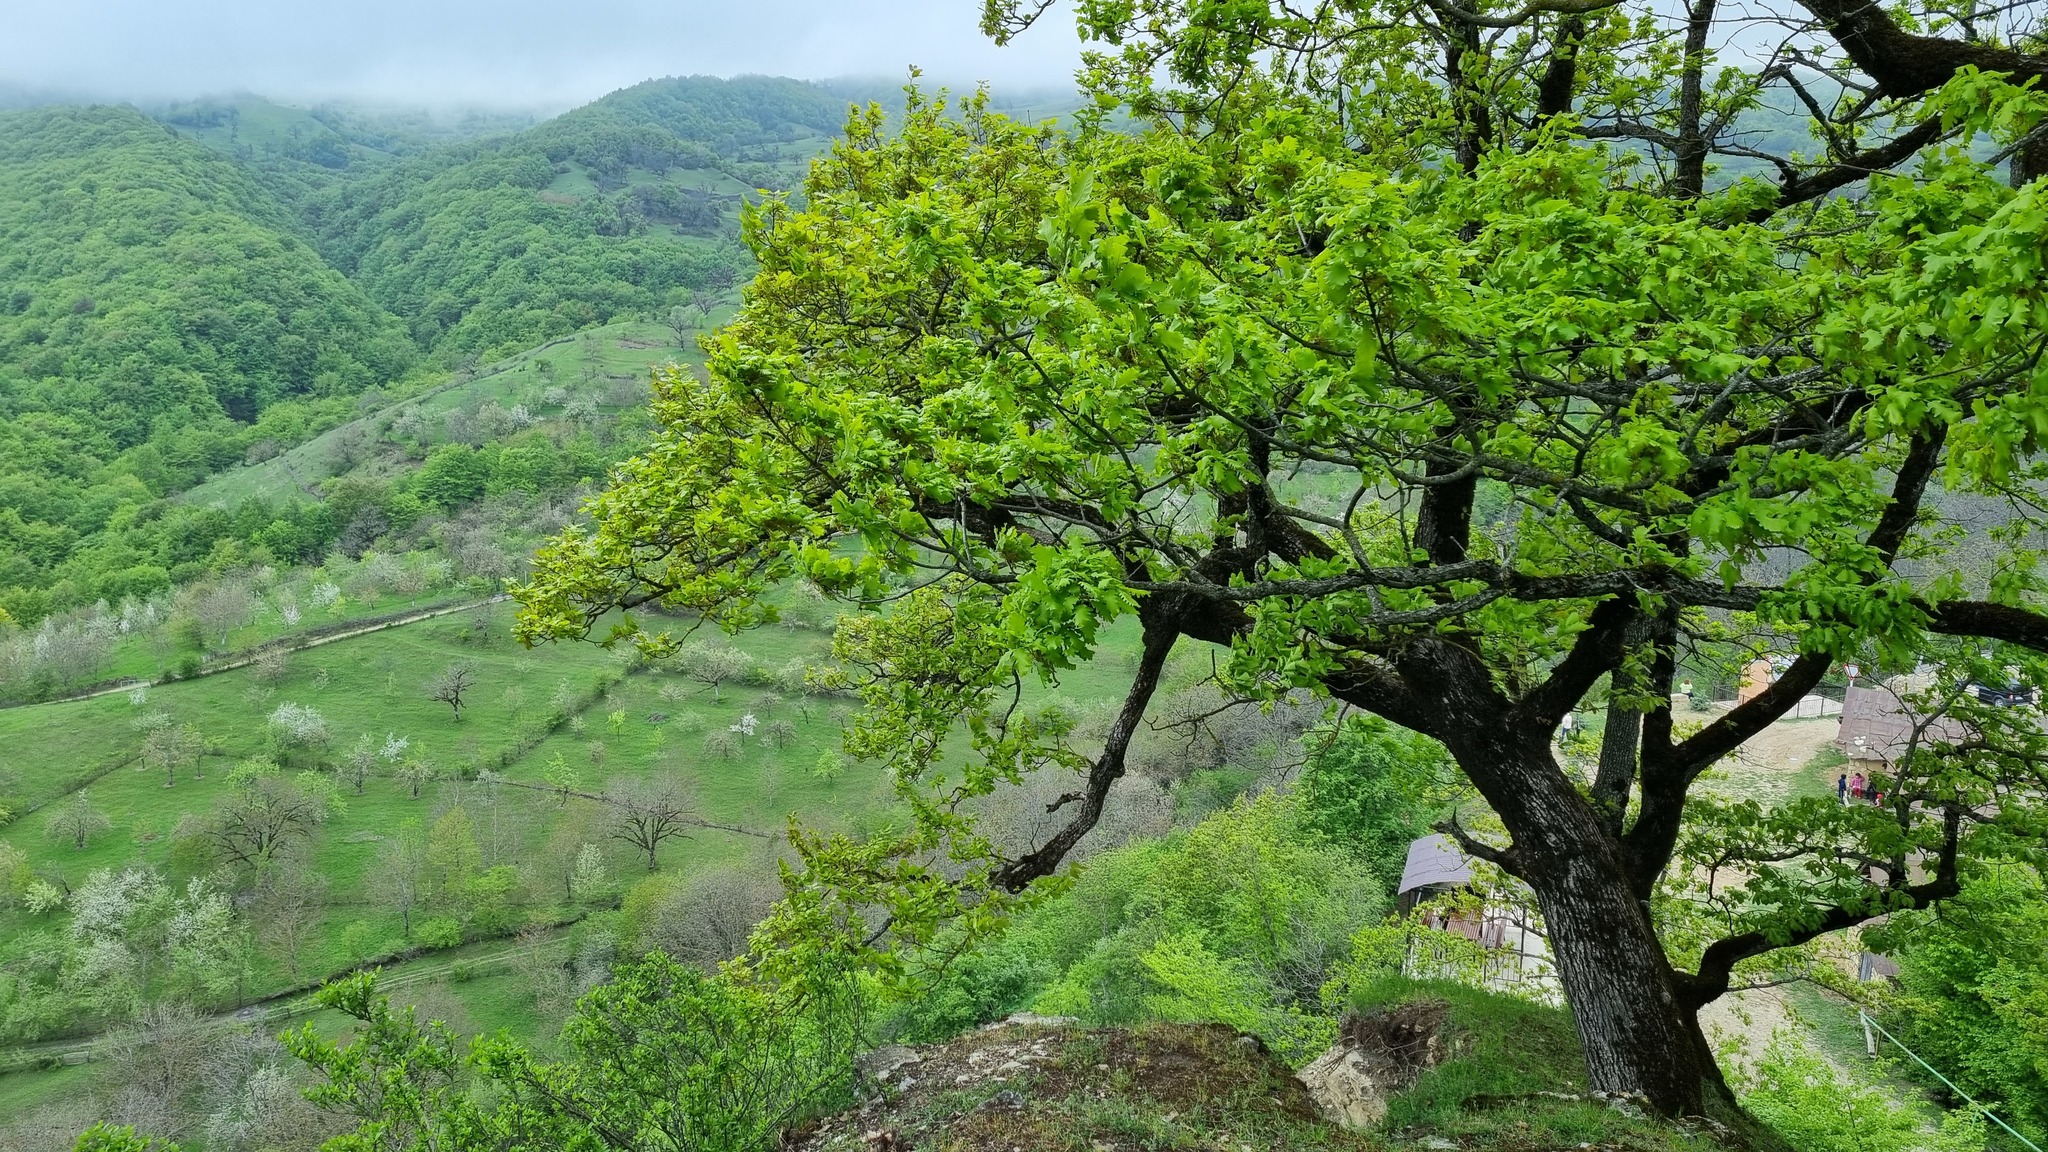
{"x":879,"y":1065}
{"x":1376,"y":1056}
{"x":1344,"y":1086}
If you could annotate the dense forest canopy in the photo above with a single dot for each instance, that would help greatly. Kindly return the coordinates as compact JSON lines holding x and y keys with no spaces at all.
{"x":147,"y":276}
{"x":473,"y":250}
{"x":158,"y":308}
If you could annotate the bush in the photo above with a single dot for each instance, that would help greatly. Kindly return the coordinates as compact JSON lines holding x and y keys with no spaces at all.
{"x":1817,"y":1107}
{"x":660,"y":1056}
{"x":1974,"y":978}
{"x":1506,"y":1047}
{"x":462,"y":971}
{"x":1369,"y":789}
{"x":440,"y":932}
{"x":979,"y":987}
{"x":1242,"y":920}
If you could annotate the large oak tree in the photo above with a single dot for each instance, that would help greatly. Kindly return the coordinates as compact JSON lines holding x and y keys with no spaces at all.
{"x":1603,"y":389}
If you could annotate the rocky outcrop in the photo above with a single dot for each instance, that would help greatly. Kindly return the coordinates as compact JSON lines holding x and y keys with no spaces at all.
{"x":1377,"y":1055}
{"x":1038,"y":1083}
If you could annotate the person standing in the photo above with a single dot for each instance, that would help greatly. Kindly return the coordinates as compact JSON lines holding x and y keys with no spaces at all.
{"x":1842,"y":788}
{"x":1856,"y":786}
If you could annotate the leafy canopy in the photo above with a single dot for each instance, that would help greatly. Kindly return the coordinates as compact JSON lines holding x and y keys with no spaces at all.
{"x":1246,"y":372}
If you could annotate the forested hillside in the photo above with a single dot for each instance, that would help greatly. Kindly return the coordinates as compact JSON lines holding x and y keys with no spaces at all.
{"x":300,"y":152}
{"x":183,"y":295}
{"x":160,"y":316}
{"x":625,"y":205}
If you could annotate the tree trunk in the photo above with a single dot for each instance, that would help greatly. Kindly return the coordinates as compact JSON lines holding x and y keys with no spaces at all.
{"x":1622,"y":992}
{"x":1638,"y":1038}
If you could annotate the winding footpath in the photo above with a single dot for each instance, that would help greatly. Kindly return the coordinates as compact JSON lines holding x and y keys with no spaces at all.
{"x":282,"y":645}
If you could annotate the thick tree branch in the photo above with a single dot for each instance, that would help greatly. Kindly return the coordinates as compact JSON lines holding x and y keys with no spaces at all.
{"x":1905,"y":65}
{"x":1988,"y":621}
{"x":1595,"y":652}
{"x":1162,"y":629}
{"x":1717,"y":964}
{"x":1849,"y":169}
{"x":1506,"y":859}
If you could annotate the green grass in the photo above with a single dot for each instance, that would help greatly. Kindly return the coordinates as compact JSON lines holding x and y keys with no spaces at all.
{"x":374,"y":685}
{"x":1504,"y":1046}
{"x":145,"y":658}
{"x":1509,"y":1057}
{"x":22,"y":1093}
{"x":628,"y":349}
{"x":575,"y":182}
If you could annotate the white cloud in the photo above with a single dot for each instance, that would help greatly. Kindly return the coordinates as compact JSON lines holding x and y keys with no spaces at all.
{"x":520,"y":53}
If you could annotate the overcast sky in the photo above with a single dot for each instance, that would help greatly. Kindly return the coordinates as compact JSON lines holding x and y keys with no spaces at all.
{"x":514,"y":53}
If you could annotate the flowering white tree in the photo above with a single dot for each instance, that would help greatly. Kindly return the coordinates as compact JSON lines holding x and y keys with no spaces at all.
{"x":745,"y":726}
{"x":203,"y":940}
{"x":589,"y":879}
{"x":298,"y":726}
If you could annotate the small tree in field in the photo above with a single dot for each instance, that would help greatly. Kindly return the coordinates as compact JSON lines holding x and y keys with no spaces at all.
{"x":360,"y":762}
{"x":724,"y":744}
{"x":452,"y":685}
{"x":561,"y":777}
{"x":287,"y":906}
{"x":399,"y":881}
{"x":167,"y":749}
{"x":646,"y":814}
{"x":298,"y":727}
{"x":683,"y":321}
{"x":216,"y":610}
{"x":713,"y":664}
{"x":271,"y":667}
{"x":415,"y":774}
{"x":78,"y":821}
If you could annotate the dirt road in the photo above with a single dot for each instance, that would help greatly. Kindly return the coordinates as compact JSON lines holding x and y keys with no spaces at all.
{"x":286,"y":645}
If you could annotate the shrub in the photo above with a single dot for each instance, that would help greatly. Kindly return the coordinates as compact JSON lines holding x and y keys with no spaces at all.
{"x":1818,"y":1107}
{"x":1506,"y":1047}
{"x":1369,"y":788}
{"x":661,"y":1056}
{"x":1242,"y":919}
{"x":440,"y":932}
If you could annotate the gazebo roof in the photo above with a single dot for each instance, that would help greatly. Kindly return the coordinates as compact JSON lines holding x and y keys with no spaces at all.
{"x":1433,"y":861}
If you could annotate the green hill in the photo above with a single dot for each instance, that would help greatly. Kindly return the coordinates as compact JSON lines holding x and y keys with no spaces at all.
{"x":158,"y":316}
{"x":297,"y":153}
{"x":622,"y":206}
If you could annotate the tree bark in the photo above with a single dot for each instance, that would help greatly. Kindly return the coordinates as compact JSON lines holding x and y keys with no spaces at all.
{"x":1638,"y":1036}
